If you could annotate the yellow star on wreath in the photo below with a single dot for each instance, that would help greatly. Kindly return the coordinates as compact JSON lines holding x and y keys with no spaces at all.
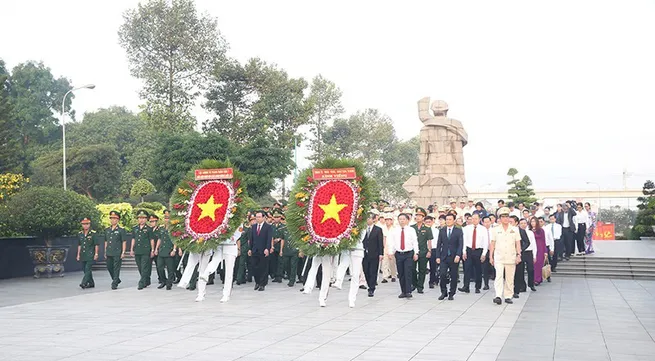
{"x":332,"y":210}
{"x":209,"y":209}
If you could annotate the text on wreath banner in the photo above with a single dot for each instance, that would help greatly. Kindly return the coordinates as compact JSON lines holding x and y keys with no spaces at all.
{"x":337,"y":173}
{"x":213,"y":174}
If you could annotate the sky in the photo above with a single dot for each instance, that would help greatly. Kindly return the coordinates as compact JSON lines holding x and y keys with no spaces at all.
{"x":560,"y":90}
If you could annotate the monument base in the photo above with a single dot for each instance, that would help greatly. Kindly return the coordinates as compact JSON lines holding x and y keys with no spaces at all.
{"x":425,"y":191}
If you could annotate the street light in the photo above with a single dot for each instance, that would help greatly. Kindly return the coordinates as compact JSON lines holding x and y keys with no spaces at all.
{"x":597,"y":185}
{"x":63,"y":122}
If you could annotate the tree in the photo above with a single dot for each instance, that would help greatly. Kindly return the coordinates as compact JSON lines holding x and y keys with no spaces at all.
{"x":48,"y":212}
{"x":622,"y":218}
{"x":93,"y":170}
{"x":11,"y":184}
{"x":399,"y":163}
{"x":134,"y":141}
{"x":142,"y":188}
{"x":9,"y":142}
{"x":172,"y":49}
{"x":645,"y":220}
{"x":261,"y":164}
{"x":520,"y":189}
{"x":325,"y":102}
{"x":178,"y":153}
{"x":35,"y":94}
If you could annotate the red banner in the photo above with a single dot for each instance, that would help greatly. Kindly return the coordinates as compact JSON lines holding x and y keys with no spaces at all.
{"x":213,"y":174}
{"x":603,"y":232}
{"x":338,"y":173}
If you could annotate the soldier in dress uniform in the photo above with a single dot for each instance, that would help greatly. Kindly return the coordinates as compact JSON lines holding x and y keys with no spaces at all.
{"x":424,"y":234}
{"x":244,"y":247}
{"x":115,"y":239}
{"x":279,"y":234}
{"x":143,"y":245}
{"x":87,"y":252}
{"x":177,"y":258}
{"x":165,"y":251}
{"x":289,"y":255}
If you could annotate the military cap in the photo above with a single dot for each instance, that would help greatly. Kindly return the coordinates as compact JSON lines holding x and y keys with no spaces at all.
{"x":166,"y":211}
{"x":421,"y":211}
{"x":431,"y":216}
{"x":453,"y":212}
{"x":154,"y":217}
{"x":277,"y":204}
{"x":114,"y":214}
{"x":142,"y":213}
{"x":388,"y":216}
{"x":374,"y":211}
{"x":85,"y":221}
{"x":387,"y":209}
{"x":452,"y":200}
{"x":504,"y":211}
{"x":277,"y":213}
{"x":408,"y":211}
{"x":269,"y":214}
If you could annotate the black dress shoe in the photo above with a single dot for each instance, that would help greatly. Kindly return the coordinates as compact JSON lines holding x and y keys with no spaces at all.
{"x":393,"y":279}
{"x":362,"y":287}
{"x":442,"y":297}
{"x":477,"y":290}
{"x":168,"y":288}
{"x":486,"y":287}
{"x":385,"y":281}
{"x":256,"y":287}
{"x":370,"y":293}
{"x":113,"y":287}
{"x":431,"y":285}
{"x":533,"y":289}
{"x":409,"y":295}
{"x":82,"y":286}
{"x":516,"y":295}
{"x":402,"y":295}
{"x":509,"y":300}
{"x":450,"y":298}
{"x":498,"y":301}
{"x":420,"y":291}
{"x":139,"y":288}
{"x":261,"y":288}
{"x":290,"y":284}
{"x":192,"y":288}
{"x":548,"y":279}
{"x":161,"y":285}
{"x":465,"y":290}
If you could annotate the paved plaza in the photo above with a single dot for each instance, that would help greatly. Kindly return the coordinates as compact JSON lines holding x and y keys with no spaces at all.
{"x":568,"y":319}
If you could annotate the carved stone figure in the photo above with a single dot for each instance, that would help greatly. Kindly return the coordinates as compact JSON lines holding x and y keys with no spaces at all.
{"x":441,"y":157}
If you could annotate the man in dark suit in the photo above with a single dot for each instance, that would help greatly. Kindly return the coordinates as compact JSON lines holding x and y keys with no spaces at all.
{"x":261,"y":241}
{"x":449,"y":251}
{"x":373,"y":253}
{"x":565,"y":219}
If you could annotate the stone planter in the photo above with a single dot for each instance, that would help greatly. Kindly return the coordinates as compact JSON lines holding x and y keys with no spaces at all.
{"x":48,"y":260}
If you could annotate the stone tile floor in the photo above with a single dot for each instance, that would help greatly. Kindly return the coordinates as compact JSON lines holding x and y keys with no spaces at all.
{"x":568,"y":319}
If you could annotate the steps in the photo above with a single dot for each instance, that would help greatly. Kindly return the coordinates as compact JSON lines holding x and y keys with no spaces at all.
{"x":607,"y":267}
{"x":128,"y":263}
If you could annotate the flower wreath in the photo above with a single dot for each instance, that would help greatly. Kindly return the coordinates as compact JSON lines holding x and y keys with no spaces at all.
{"x":195,"y":230}
{"x":325,"y":216}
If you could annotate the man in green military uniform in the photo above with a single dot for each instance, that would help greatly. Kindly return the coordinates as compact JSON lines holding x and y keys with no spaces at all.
{"x":115,"y":238}
{"x":289,"y":255}
{"x":87,"y":252}
{"x":274,"y":255}
{"x":165,"y":251}
{"x":425,"y":238}
{"x":143,"y":245}
{"x":244,"y":247}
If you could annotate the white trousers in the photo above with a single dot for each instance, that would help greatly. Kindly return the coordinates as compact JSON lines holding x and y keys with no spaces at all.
{"x":326,"y":261}
{"x":227,"y":253}
{"x":507,"y":282}
{"x":356,"y":258}
{"x":344,"y":264}
{"x":310,"y":282}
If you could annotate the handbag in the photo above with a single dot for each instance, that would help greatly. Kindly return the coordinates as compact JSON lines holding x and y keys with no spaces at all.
{"x":545,"y":270}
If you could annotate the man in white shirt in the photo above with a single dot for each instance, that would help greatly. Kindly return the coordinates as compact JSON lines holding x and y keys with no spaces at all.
{"x":553,"y":232}
{"x":539,"y":212}
{"x":504,"y":254}
{"x":476,"y":244}
{"x":581,"y":219}
{"x":389,"y":261}
{"x":226,"y":251}
{"x":404,"y":245}
{"x":528,"y":257}
{"x":470,"y":207}
{"x":565,"y":219}
{"x":513,"y":211}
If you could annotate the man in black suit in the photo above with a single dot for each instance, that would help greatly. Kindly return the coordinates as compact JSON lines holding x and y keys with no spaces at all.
{"x":373,"y":253}
{"x":261,"y":241}
{"x":449,"y":251}
{"x":565,"y":219}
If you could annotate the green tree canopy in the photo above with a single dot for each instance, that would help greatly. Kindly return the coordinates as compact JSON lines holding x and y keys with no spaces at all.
{"x":48,"y":212}
{"x":142,"y":188}
{"x":93,"y":170}
{"x":9,"y":141}
{"x":520,"y":190}
{"x":172,"y":49}
{"x":261,"y":164}
{"x":645,"y":219}
{"x":325,"y":104}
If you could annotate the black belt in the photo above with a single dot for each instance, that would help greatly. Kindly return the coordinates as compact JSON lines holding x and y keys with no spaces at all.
{"x":404,"y":252}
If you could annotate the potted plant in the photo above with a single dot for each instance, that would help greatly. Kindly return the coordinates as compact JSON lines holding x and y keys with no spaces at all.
{"x":48,"y":213}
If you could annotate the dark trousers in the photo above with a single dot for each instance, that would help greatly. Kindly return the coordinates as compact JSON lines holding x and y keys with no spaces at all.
{"x":559,"y":249}
{"x":260,"y":264}
{"x":488,"y":271}
{"x":420,"y":269}
{"x":474,"y":266}
{"x":166,"y":269}
{"x":527,"y":262}
{"x":434,"y":267}
{"x":87,"y":279}
{"x":579,"y":237}
{"x":244,"y":270}
{"x":144,"y":265}
{"x":114,"y":267}
{"x":176,"y":263}
{"x":370,"y":267}
{"x":568,"y":237}
{"x":448,"y":267}
{"x":289,"y":264}
{"x":404,"y":263}
{"x":273,"y":260}
{"x":299,"y":267}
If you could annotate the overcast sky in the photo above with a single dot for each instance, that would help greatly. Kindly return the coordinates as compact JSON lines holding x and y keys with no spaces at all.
{"x":561,"y":90}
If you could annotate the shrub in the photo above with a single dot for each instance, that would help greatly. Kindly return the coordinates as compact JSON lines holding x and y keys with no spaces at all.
{"x":150,"y":207}
{"x":124,"y":209}
{"x":48,"y":212}
{"x":10,"y":184}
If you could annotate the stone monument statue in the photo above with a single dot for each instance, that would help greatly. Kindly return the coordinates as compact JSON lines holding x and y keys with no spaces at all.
{"x":441,"y":158}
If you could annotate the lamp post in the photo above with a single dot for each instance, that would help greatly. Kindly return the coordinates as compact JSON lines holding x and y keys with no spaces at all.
{"x":63,"y":123}
{"x":597,"y":185}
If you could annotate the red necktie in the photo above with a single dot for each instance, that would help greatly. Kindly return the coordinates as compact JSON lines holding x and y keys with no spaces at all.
{"x":475,"y":233}
{"x":259,"y":228}
{"x":402,"y":239}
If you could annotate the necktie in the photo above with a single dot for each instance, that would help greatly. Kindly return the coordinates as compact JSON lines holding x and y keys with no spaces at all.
{"x":449,"y":230}
{"x":402,"y":239}
{"x":259,"y":228}
{"x":552,"y":230}
{"x":475,"y":233}
{"x":368,"y":231}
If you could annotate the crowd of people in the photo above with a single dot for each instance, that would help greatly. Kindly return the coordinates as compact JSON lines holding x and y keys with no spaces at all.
{"x":416,"y":247}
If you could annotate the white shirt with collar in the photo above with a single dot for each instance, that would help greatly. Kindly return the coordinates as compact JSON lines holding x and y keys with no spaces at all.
{"x":411,"y":240}
{"x":516,"y":212}
{"x":565,"y":222}
{"x":554,"y":231}
{"x":481,"y":235}
{"x":582,"y":217}
{"x":533,"y":243}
